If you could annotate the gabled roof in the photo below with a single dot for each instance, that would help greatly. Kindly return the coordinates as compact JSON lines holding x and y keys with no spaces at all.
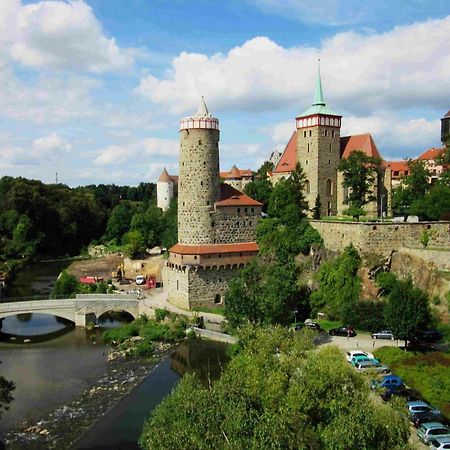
{"x":236,"y":173}
{"x":239,"y":247}
{"x":398,"y":166}
{"x":288,"y":161}
{"x":362,"y":142}
{"x":447,"y":115}
{"x":229,"y":196}
{"x":431,"y":153}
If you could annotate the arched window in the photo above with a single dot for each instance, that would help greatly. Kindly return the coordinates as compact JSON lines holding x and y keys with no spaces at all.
{"x":307,"y":187}
{"x":329,"y":188}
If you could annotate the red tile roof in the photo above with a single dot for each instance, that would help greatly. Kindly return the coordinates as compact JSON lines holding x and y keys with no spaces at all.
{"x":362,"y":142}
{"x":229,"y":196}
{"x":240,"y":247}
{"x":431,"y":153}
{"x":165,"y":177}
{"x":236,"y":173}
{"x":398,"y":166}
{"x":288,"y":161}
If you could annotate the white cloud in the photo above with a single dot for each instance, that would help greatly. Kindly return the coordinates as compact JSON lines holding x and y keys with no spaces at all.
{"x":406,"y":67}
{"x":51,"y":145}
{"x":137,"y":152}
{"x":60,"y":35}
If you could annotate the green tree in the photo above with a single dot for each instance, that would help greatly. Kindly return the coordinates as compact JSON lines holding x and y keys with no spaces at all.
{"x":148,"y":223}
{"x":317,"y":208}
{"x":6,"y":388}
{"x":434,"y":205}
{"x":119,"y":221}
{"x":412,"y":189}
{"x":263,"y":293}
{"x":339,"y":286}
{"x":135,"y":244}
{"x":360,"y":172}
{"x":66,"y":286}
{"x":260,"y":189}
{"x":407,"y":310}
{"x":169,"y":225}
{"x":276,"y":393}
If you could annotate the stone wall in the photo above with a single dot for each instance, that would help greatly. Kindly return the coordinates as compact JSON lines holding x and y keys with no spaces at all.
{"x":232,"y":226}
{"x":318,"y":152}
{"x":198,"y":185}
{"x":381,"y":238}
{"x":193,"y":287}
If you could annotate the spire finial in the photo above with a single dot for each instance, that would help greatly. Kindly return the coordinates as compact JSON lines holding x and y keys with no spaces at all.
{"x":318,"y":97}
{"x":202,"y":109}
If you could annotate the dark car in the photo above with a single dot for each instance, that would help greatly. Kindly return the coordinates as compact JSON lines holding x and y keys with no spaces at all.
{"x":427,"y":416}
{"x":313,"y":326}
{"x":420,"y":346}
{"x":429,"y":336}
{"x":342,"y":331}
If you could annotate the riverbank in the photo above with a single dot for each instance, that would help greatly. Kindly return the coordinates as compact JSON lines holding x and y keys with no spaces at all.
{"x":64,"y":426}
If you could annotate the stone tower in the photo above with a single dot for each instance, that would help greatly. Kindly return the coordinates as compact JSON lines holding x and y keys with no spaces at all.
{"x":445,"y":130}
{"x":318,"y":151}
{"x":198,"y":177}
{"x":164,"y":190}
{"x":216,"y":222}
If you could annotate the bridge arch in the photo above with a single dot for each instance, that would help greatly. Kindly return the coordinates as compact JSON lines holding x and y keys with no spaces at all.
{"x":64,"y":314}
{"x":120,"y":310}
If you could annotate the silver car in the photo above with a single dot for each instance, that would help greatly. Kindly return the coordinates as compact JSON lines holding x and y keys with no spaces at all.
{"x":364,"y":366}
{"x":384,"y":334}
{"x":432,"y":430}
{"x":440,"y":443}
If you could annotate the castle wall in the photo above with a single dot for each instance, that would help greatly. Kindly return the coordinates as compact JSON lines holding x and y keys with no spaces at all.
{"x":197,"y":287}
{"x":381,"y":238}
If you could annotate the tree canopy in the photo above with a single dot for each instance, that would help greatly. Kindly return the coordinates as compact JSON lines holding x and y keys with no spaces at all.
{"x":277,"y":393}
{"x":360,"y":172}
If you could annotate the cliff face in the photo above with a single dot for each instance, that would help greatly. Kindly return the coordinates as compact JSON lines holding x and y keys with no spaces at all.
{"x":430,"y":271}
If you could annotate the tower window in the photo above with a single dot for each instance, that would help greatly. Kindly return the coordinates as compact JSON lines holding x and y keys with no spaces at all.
{"x":195,"y":256}
{"x":304,"y":134}
{"x":310,"y":133}
{"x":177,"y":285}
{"x":245,"y":209}
{"x":207,"y":202}
{"x":308,"y":147}
{"x":306,"y":162}
{"x":326,"y":132}
{"x":201,"y":183}
{"x":329,"y":161}
{"x":332,"y":133}
{"x":330,"y":146}
{"x":199,"y":142}
{"x":307,"y":187}
{"x":239,"y":210}
{"x":329,"y":187}
{"x":183,"y":204}
{"x":212,"y":224}
{"x":250,"y":223}
{"x":204,"y":163}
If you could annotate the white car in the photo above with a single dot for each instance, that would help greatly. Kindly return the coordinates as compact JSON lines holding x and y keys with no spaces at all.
{"x":419,"y":406}
{"x":349,"y":355}
{"x":140,"y":279}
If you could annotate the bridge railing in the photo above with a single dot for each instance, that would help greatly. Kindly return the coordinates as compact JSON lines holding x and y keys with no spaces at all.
{"x":107,"y":297}
{"x":34,"y":305}
{"x":29,"y":298}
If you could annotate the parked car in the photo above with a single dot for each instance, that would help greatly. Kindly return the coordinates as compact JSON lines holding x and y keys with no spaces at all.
{"x":421,"y":346}
{"x":312,"y":325}
{"x":431,"y":430}
{"x":420,"y":406}
{"x":429,"y":335}
{"x":298,"y":327}
{"x":388,"y":381}
{"x":370,"y":365}
{"x":384,"y":334}
{"x":356,"y":359}
{"x":342,"y":331}
{"x":140,"y":279}
{"x":428,"y":416}
{"x":349,"y":355}
{"x":440,"y":443}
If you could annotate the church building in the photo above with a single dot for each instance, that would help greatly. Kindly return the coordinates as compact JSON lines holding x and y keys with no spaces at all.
{"x":318,"y":146}
{"x":216,"y":222}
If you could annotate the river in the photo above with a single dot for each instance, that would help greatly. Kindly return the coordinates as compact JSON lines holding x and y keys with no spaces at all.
{"x":52,"y":363}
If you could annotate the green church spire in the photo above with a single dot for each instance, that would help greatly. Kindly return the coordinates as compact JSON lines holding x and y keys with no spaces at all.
{"x":319,"y":106}
{"x":318,"y":97}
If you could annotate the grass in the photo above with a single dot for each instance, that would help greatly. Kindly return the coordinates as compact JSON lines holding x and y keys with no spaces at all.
{"x":444,"y":328}
{"x":329,"y":324}
{"x":212,"y":309}
{"x":426,"y":373}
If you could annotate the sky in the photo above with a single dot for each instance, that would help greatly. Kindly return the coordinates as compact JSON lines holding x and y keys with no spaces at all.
{"x":93,"y":90}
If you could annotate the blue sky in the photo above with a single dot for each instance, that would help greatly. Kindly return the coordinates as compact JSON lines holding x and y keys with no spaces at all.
{"x":94,"y":89}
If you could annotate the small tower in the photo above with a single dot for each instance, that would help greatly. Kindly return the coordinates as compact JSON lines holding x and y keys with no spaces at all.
{"x":164,"y":190}
{"x":318,"y":150}
{"x":445,"y":130}
{"x":198,"y":183}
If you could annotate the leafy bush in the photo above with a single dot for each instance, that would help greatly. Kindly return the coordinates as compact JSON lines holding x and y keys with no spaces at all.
{"x":143,"y":348}
{"x":366,"y":315}
{"x":120,"y":334}
{"x":161,"y":314}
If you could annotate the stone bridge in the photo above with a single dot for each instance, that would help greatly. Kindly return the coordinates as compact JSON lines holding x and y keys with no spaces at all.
{"x":81,"y":310}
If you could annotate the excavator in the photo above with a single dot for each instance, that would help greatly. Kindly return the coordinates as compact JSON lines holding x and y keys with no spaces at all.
{"x":119,"y":273}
